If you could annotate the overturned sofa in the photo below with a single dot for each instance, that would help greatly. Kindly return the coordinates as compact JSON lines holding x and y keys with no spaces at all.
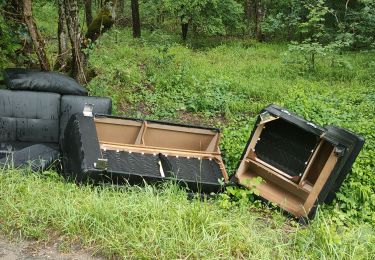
{"x":301,"y":164}
{"x":33,"y":117}
{"x":118,"y":149}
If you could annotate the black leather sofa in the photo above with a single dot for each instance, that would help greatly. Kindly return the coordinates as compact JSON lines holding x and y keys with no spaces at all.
{"x":32,"y":125}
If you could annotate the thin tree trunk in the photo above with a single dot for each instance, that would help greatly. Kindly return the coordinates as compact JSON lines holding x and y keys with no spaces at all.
{"x":88,"y":12}
{"x":248,"y":16}
{"x":248,"y":12}
{"x":258,"y":20}
{"x":62,"y":58}
{"x":120,"y":9}
{"x":135,"y":19}
{"x":79,"y":62}
{"x":35,"y":35}
{"x":184,"y":30}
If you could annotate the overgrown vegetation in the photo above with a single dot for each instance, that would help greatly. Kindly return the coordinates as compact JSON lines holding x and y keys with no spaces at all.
{"x":224,"y":82}
{"x":123,"y":220}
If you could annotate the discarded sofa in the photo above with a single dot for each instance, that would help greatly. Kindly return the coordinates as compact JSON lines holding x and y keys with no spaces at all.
{"x":301,"y":164}
{"x":116,"y":149}
{"x":32,"y":123}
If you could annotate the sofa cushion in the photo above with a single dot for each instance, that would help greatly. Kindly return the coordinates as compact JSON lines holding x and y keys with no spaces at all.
{"x":45,"y":81}
{"x":29,"y":116}
{"x":71,"y":105}
{"x":38,"y":157}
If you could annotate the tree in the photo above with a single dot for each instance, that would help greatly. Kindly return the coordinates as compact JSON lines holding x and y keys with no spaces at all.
{"x":260,"y":13}
{"x":35,"y":35}
{"x":79,"y":59}
{"x":249,"y":12}
{"x":62,"y":57}
{"x":102,"y":23}
{"x":135,"y":19}
{"x":120,"y":9}
{"x":212,"y":17}
{"x":88,"y":12}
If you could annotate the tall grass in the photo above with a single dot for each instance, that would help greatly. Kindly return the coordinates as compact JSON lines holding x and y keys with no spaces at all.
{"x":151,"y":222}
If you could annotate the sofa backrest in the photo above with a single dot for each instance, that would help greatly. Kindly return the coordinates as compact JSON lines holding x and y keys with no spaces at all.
{"x":71,"y":105}
{"x":41,"y":117}
{"x":28,"y":116}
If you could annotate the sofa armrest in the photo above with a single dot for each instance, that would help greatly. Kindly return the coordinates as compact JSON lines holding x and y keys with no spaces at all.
{"x":71,"y":105}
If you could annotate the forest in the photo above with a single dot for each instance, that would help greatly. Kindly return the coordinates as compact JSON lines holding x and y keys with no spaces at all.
{"x":203,"y":62}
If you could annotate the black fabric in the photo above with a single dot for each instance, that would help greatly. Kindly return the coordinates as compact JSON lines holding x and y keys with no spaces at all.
{"x":286,"y":146}
{"x":74,"y":104}
{"x":29,"y":116}
{"x":181,"y":168}
{"x":44,"y":81}
{"x":80,"y":148}
{"x":192,"y":169}
{"x":38,"y":157}
{"x":132,"y":163}
{"x":200,"y":175}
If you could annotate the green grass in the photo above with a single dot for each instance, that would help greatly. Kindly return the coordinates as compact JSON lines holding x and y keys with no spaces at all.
{"x":214,"y":82}
{"x":148,"y":222}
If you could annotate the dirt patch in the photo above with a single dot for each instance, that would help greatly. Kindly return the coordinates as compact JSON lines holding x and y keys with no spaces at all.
{"x":12,"y":250}
{"x":197,"y":119}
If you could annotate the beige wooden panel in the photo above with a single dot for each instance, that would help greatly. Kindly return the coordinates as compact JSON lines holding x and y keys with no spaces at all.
{"x":117,"y":133}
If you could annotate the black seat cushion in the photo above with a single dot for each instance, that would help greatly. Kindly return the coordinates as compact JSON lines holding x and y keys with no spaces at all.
{"x":38,"y":157}
{"x":45,"y":81}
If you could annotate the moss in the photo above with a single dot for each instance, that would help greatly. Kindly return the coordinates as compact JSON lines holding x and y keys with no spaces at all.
{"x":102,"y":23}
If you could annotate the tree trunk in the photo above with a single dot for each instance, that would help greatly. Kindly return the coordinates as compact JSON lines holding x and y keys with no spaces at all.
{"x":184,"y":30}
{"x":120,"y":9}
{"x":62,"y":58}
{"x":79,"y":62}
{"x":88,"y":12}
{"x":35,"y":35}
{"x":135,"y":19}
{"x":259,"y":15}
{"x":249,"y":14}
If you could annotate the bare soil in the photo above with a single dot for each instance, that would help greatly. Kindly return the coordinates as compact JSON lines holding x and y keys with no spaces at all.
{"x":32,"y":250}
